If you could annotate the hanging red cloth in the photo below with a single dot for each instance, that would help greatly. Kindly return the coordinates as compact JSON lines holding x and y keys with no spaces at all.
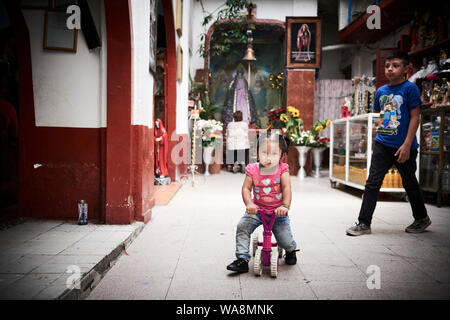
{"x":161,"y":147}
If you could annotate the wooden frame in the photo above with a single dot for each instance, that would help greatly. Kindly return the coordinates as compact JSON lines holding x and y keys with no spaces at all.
{"x":303,"y":42}
{"x":179,"y":63}
{"x":34,"y":4}
{"x":153,"y":35}
{"x":179,"y":18}
{"x":56,"y":34}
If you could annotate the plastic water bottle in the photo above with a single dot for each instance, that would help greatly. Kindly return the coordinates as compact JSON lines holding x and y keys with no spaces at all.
{"x":82,"y":212}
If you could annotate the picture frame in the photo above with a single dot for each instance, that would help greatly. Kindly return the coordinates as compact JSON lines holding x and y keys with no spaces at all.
{"x":179,"y":18}
{"x":56,"y":34}
{"x":179,"y":63}
{"x":35,"y":4}
{"x":303,"y":42}
{"x":153,"y":35}
{"x":63,"y":4}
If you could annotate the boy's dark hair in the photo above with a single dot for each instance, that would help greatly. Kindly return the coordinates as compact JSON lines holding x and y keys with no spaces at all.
{"x":237,"y":116}
{"x":270,"y":136}
{"x":399,"y":55}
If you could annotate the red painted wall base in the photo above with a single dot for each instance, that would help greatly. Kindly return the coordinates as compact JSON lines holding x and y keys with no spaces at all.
{"x":62,"y":166}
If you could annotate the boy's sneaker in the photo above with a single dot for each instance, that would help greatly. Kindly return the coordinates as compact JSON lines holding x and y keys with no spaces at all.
{"x":239,"y":265}
{"x":359,"y":229}
{"x":419,"y":225}
{"x":290,"y":257}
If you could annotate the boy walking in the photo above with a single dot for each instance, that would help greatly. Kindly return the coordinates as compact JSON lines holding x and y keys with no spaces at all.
{"x":399,"y":105}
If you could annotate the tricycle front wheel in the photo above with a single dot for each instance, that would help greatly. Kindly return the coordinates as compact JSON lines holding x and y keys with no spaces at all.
{"x":274,"y":265}
{"x":257,"y":266}
{"x":254,"y":243}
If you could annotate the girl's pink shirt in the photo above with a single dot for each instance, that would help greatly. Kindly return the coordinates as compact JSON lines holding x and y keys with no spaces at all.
{"x":267,"y":193}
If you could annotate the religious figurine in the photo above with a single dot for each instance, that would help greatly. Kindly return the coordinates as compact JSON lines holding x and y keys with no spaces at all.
{"x":161,"y":147}
{"x":435,"y":95}
{"x":426,"y":91}
{"x":362,"y":146}
{"x":443,"y":95}
{"x":239,"y":97}
{"x":303,"y":42}
{"x":346,"y":107}
{"x":421,"y":34}
{"x":442,"y":59}
{"x":413,"y":36}
{"x":432,"y":36}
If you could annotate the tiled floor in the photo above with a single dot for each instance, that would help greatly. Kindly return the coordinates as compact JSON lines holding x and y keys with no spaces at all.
{"x":35,"y":256}
{"x":183,"y":251}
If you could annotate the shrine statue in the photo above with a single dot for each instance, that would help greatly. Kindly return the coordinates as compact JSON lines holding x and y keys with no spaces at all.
{"x":303,"y":42}
{"x":239,"y":98}
{"x":161,"y":147}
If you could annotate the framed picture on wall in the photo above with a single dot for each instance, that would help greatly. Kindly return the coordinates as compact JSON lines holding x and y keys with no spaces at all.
{"x":179,"y":18}
{"x":303,"y":42}
{"x":179,"y":64}
{"x":56,"y":34}
{"x":35,"y":4}
{"x":153,"y":35}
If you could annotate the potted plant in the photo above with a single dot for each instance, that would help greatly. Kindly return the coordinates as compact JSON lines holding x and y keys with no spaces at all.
{"x":211,"y":134}
{"x":319,"y":144}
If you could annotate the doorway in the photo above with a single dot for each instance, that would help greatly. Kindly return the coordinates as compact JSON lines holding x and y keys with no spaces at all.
{"x":9,"y":115}
{"x":160,"y":101}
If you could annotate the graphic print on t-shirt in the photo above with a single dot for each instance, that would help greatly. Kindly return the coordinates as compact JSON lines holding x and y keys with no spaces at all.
{"x":390,"y":114}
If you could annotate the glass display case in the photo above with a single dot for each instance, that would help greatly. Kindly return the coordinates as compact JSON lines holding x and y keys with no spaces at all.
{"x":435,"y":151}
{"x":352,"y":141}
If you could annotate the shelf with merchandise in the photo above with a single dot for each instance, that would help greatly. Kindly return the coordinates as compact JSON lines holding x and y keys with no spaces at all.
{"x":434,"y":170}
{"x":352,"y":151}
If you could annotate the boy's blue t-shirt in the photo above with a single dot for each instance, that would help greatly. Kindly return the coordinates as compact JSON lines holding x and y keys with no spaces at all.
{"x":394,"y":104}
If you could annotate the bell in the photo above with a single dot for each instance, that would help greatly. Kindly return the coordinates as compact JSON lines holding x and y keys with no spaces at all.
{"x":249,"y":54}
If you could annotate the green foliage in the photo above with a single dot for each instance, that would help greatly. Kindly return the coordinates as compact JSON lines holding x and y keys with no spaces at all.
{"x":208,"y":112}
{"x":226,"y":34}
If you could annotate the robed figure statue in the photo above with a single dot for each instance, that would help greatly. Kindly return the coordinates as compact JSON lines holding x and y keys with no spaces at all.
{"x":161,"y":148}
{"x":239,"y":98}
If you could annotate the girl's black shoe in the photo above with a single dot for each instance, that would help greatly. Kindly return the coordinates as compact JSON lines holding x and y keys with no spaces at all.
{"x":239,"y":265}
{"x":290,"y":257}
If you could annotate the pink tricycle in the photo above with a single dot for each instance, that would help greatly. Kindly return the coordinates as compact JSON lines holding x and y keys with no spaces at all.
{"x":266,"y":256}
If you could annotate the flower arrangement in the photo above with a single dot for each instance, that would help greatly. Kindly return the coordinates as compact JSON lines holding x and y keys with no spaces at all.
{"x":320,"y":142}
{"x":303,"y":138}
{"x":292,"y":121}
{"x":289,"y":121}
{"x":274,"y":119}
{"x":211,"y":132}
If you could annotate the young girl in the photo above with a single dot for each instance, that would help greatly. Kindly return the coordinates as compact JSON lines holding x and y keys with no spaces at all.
{"x":237,"y":143}
{"x":271,"y":186}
